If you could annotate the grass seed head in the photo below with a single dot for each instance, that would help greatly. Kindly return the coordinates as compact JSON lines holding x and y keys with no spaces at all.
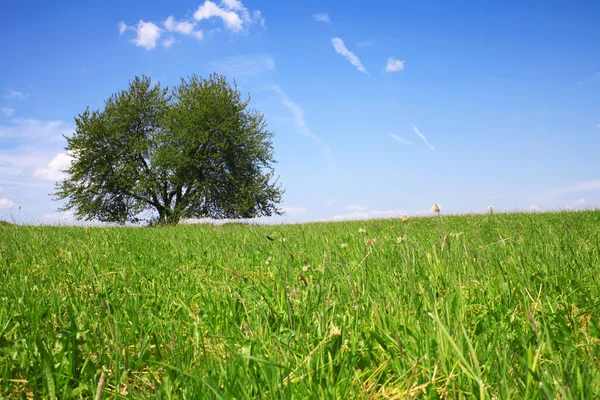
{"x":371,"y":242}
{"x":401,"y":239}
{"x":335,"y":331}
{"x":491,"y":208}
{"x":436,"y":208}
{"x":405,"y":218}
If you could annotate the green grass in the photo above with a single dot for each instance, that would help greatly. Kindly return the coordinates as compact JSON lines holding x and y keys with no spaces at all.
{"x":489,"y":306}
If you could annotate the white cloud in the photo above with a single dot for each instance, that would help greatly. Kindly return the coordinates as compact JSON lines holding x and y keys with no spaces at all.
{"x":576,"y":188}
{"x":251,"y":65}
{"x":321,"y":17}
{"x":168,"y":42}
{"x":293,"y":210}
{"x":235,"y":17}
{"x":301,"y":124}
{"x":341,"y":49}
{"x":55,"y":169}
{"x":6,"y":203}
{"x":398,"y":138}
{"x":17,"y":166}
{"x":26,"y":144}
{"x":228,"y":14}
{"x":15,"y":95}
{"x":598,"y":126}
{"x":182,"y":27}
{"x":328,"y":203}
{"x":147,"y":35}
{"x":394,"y":65}
{"x":373,"y":214}
{"x":423,"y":138}
{"x":7,"y":111}
{"x":534,"y":208}
{"x":245,"y":15}
{"x":356,"y":207}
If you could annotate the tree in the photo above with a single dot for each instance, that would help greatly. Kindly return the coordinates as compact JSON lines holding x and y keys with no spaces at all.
{"x":194,"y":151}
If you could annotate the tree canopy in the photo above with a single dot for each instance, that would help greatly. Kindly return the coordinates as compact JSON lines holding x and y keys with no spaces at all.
{"x":194,"y":151}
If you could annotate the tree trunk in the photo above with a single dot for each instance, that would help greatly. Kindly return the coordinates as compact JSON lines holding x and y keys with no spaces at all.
{"x":169,"y":217}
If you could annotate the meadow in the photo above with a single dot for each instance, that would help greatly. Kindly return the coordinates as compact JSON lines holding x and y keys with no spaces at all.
{"x":497,"y":306}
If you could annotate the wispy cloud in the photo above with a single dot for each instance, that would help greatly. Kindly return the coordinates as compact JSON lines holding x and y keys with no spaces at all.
{"x":398,"y":138}
{"x":576,"y":188}
{"x":423,"y":138}
{"x":293,"y":210}
{"x":373,"y":214}
{"x":168,"y":42}
{"x":356,"y":207}
{"x":250,"y":65}
{"x":64,"y":218}
{"x":591,"y":80}
{"x":7,"y":111}
{"x":15,"y":95}
{"x":430,"y":210}
{"x":534,"y":208}
{"x":364,"y":43}
{"x":598,"y":126}
{"x":341,"y":49}
{"x":576,"y":204}
{"x":321,"y":17}
{"x":27,"y":128}
{"x":328,"y":203}
{"x":394,"y":65}
{"x":6,"y":203}
{"x":301,"y":125}
{"x":123,"y":27}
{"x":182,"y":27}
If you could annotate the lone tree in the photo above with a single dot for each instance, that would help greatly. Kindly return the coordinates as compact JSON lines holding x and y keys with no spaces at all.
{"x":194,"y":151}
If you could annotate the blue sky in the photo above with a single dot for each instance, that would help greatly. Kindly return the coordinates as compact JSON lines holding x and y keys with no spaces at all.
{"x":378,"y":109}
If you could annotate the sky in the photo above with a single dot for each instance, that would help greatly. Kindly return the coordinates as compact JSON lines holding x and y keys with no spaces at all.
{"x":379,"y":109}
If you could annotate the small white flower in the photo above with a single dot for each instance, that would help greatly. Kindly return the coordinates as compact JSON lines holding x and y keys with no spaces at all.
{"x":401,"y":239}
{"x":344,"y":245}
{"x":268,"y":261}
{"x":362,"y":230}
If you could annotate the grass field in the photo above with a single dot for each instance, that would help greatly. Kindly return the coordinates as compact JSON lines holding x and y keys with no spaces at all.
{"x":488,"y":306}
